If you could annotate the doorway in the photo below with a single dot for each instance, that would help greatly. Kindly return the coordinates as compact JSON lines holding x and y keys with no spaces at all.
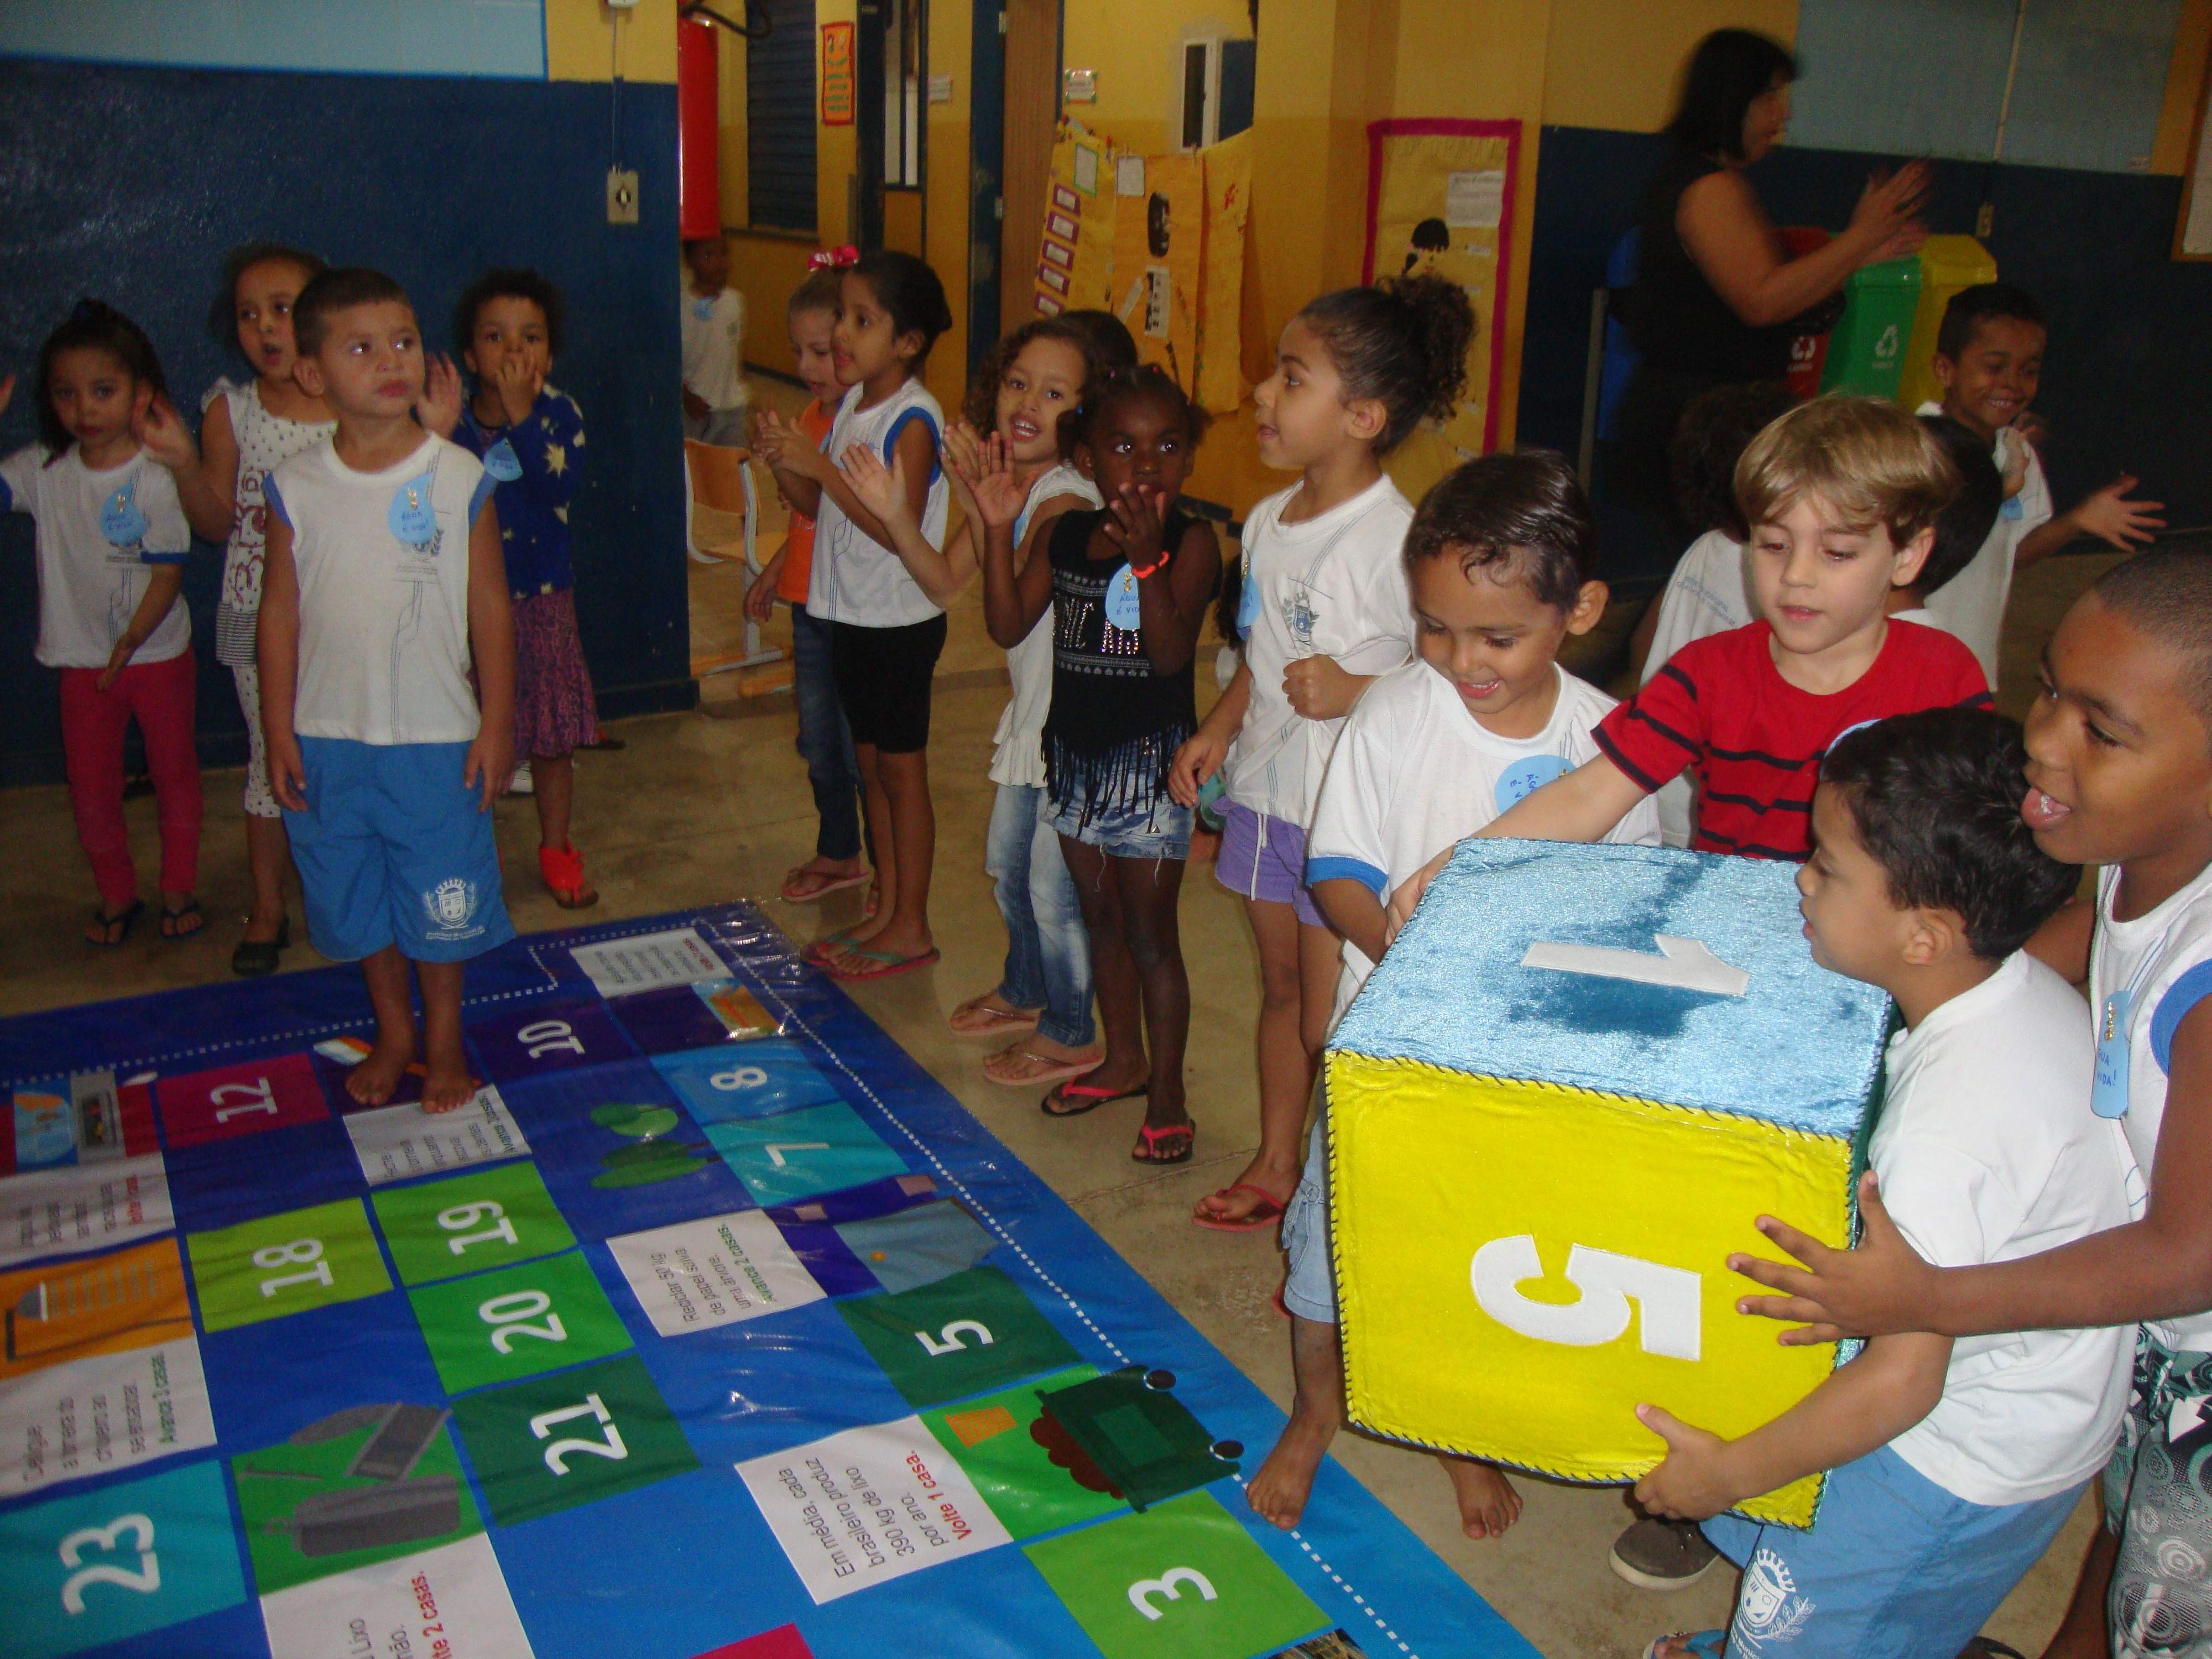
{"x":1014,"y":115}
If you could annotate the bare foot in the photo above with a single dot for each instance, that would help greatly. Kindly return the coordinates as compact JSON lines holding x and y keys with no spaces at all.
{"x":1280,"y":1491}
{"x":1227,"y":1206}
{"x":447,"y":1088}
{"x":372,"y":1082}
{"x":1487,"y":1503}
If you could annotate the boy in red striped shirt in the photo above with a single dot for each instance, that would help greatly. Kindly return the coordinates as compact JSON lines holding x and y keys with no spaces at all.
{"x":1842,"y":496}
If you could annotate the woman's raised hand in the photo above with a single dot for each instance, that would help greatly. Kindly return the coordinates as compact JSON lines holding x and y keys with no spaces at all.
{"x":1889,"y":211}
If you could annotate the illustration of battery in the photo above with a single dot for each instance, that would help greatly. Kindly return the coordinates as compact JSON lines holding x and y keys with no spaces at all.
{"x":66,"y":1310}
{"x":99,"y":1114}
{"x":374,"y":1517}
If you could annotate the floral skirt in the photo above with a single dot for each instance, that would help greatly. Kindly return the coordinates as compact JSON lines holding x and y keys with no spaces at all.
{"x":554,"y":709}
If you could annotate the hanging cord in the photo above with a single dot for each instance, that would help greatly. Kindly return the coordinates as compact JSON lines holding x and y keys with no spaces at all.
{"x":759,"y":20}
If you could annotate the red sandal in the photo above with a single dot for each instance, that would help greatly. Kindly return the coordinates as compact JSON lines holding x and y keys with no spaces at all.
{"x":562,"y":869}
{"x":1149,"y":1139}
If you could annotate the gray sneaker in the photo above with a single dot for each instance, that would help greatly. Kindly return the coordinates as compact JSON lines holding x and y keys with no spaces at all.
{"x":1662,"y":1555}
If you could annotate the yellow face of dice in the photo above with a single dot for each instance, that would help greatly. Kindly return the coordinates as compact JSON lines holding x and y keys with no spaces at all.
{"x":1507,"y":1297}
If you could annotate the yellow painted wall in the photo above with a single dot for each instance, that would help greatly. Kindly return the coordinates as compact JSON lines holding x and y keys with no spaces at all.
{"x":1617,"y":63}
{"x":2184,"y":88}
{"x":578,"y":47}
{"x":1134,"y":45}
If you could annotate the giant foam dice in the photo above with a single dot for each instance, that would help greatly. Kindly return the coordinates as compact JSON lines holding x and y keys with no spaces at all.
{"x":1558,"y":1105}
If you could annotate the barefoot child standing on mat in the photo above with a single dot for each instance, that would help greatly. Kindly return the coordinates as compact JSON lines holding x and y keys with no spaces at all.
{"x":383,"y":588}
{"x":1127,"y":587}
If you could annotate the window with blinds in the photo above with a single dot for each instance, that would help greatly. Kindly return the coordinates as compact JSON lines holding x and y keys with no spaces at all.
{"x":779,"y":118}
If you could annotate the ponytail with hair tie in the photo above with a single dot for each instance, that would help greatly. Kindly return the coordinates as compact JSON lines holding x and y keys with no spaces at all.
{"x":1402,"y":343}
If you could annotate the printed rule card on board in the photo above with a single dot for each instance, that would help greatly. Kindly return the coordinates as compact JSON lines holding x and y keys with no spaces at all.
{"x":649,"y":962}
{"x":870,"y":1504}
{"x":101,"y":1413}
{"x":395,"y":1142}
{"x":1476,"y":200}
{"x":73,"y":1209}
{"x":718,"y":1270}
{"x":452,"y":1600}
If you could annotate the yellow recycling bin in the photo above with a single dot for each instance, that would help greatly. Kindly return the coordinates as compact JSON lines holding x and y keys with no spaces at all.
{"x":1947,"y":264}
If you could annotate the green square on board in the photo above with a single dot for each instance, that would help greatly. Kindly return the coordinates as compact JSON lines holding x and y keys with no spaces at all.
{"x":959,"y":1336}
{"x":482,"y":1218}
{"x":573,"y":1437}
{"x":504,"y":1326}
{"x":286,"y":1264}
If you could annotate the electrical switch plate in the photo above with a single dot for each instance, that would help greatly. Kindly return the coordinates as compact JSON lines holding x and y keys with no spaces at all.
{"x":622,"y":5}
{"x":1986,"y":220}
{"x":622,"y":196}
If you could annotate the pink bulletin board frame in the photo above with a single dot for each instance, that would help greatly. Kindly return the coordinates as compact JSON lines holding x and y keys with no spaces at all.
{"x":1451,"y":126}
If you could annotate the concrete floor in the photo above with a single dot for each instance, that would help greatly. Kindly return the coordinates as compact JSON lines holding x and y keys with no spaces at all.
{"x":708,"y":807}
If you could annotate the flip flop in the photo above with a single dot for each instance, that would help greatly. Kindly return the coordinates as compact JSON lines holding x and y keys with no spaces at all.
{"x":1266,"y":1214}
{"x":829,"y":885}
{"x":822,"y":947}
{"x":1704,"y":1644}
{"x":172,"y":920}
{"x":888,"y":963}
{"x":1056,"y":1070}
{"x":101,"y":920}
{"x":1149,"y":1138}
{"x":254,"y":957}
{"x":1001,"y":1022}
{"x":1091,"y":1095}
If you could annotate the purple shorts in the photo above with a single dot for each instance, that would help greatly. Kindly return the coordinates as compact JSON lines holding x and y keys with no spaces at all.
{"x":1264,"y":857}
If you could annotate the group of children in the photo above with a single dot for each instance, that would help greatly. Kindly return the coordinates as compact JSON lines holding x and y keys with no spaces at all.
{"x":397,"y":610}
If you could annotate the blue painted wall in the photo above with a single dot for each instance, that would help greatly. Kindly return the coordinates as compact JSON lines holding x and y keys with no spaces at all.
{"x":394,"y":37}
{"x":2127,"y":384}
{"x":131,"y":182}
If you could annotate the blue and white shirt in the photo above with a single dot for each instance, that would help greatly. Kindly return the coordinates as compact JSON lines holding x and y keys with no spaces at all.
{"x":536,"y":479}
{"x":99,"y":536}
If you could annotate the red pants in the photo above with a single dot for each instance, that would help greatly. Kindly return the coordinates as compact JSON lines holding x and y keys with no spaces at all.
{"x":159,"y":696}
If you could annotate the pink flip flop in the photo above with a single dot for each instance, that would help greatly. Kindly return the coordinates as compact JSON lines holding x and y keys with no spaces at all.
{"x":885,"y":964}
{"x":829,"y":885}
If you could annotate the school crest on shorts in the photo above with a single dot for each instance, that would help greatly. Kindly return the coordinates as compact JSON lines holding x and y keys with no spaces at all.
{"x":1769,"y":1609}
{"x":450,"y":907}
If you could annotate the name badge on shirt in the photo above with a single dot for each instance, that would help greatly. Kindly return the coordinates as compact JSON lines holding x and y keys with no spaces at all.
{"x":500,"y":461}
{"x":1122,"y":608}
{"x":1525,"y":777}
{"x":2108,"y":1094}
{"x":2014,"y":508}
{"x":1247,"y":604}
{"x":702,"y":309}
{"x":411,"y":517}
{"x":120,"y":520}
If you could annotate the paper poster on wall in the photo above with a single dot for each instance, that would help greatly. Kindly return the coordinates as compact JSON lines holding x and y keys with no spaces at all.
{"x":1160,"y":241}
{"x":1221,"y":385}
{"x":837,"y":75}
{"x":1440,"y":199}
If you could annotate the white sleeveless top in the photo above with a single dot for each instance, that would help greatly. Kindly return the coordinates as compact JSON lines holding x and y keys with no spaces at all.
{"x":855,"y":579}
{"x":262,"y":439}
{"x":1017,"y":751}
{"x":383,"y":565}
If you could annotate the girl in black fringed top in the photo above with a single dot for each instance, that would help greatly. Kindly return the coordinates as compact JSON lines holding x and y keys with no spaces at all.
{"x":1129,"y":585}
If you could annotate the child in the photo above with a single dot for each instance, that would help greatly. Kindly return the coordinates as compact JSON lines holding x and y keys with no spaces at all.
{"x":1500,"y":556}
{"x":1022,"y":389}
{"x":244,"y":432}
{"x":885,"y":605}
{"x":825,"y":742}
{"x":112,"y":543}
{"x":531,"y":439}
{"x":1127,"y":587}
{"x":1960,"y":528}
{"x":2119,"y":776}
{"x":1322,"y":610}
{"x":1952,"y":1467}
{"x":1989,"y":360}
{"x":1708,"y":591}
{"x":715,"y":391}
{"x":382,"y":591}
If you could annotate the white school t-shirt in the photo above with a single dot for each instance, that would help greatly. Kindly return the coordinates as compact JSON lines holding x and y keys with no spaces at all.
{"x":1972,"y":604}
{"x":1333,"y":585}
{"x":1709,"y":592}
{"x":855,"y":579}
{"x":99,"y":536}
{"x":1414,"y":772}
{"x":384,"y":623}
{"x":2158,"y":967}
{"x":1988,"y":1152}
{"x":1018,"y":746}
{"x":713,"y":342}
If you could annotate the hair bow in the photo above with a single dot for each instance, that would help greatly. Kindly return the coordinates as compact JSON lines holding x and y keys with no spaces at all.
{"x":834,"y":259}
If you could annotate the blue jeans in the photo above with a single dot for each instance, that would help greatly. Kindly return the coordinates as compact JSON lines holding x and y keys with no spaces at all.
{"x":1047,"y":952}
{"x":825,"y":742}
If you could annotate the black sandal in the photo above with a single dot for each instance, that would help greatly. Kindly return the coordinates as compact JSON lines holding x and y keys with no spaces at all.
{"x":117,"y":928}
{"x":255,"y":957}
{"x":170,"y":918}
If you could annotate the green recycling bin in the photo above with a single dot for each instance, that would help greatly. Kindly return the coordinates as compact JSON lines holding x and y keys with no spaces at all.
{"x":1866,"y":353}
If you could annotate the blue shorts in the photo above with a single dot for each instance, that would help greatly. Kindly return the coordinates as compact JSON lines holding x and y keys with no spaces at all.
{"x":1895,"y":1567}
{"x":1310,"y":1291}
{"x":393,"y":850}
{"x":1264,"y":857}
{"x":1159,"y":829}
